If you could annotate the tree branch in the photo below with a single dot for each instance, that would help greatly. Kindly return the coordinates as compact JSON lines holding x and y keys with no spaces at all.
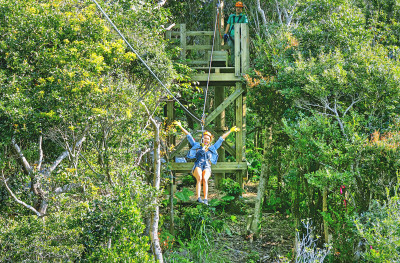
{"x":40,"y":153}
{"x":279,"y":12}
{"x":139,"y":159}
{"x":262,"y":14}
{"x":15,"y":198}
{"x":26,"y":165}
{"x":64,"y":155}
{"x":353,"y":101}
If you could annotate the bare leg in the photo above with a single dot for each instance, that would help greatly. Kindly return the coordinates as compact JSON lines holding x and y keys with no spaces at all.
{"x":197,"y":173}
{"x":206,"y":176}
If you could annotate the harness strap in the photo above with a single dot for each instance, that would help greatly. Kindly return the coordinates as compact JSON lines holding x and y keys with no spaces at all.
{"x":233,"y":25}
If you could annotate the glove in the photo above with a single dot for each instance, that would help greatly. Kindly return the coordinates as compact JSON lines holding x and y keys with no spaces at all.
{"x":226,"y":37}
{"x":177,"y":123}
{"x":235,"y":129}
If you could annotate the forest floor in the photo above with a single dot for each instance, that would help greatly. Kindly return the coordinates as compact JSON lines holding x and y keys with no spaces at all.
{"x":276,"y":238}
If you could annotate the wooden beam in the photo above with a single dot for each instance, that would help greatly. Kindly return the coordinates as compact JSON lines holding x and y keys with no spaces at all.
{"x":183,"y":41}
{"x":219,"y":97}
{"x":239,"y":123}
{"x":178,"y":148}
{"x":198,"y":47}
{"x":196,"y":62}
{"x":245,"y":56}
{"x":216,"y":76}
{"x":237,"y":51}
{"x":199,"y":33}
{"x":223,"y":105}
{"x":227,"y":167}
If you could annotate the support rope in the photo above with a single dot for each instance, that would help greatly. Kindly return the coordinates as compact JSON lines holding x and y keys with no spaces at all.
{"x":209,"y":71}
{"x":144,"y":63}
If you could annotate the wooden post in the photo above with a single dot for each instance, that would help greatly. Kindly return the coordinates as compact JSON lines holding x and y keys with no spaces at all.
{"x":245,"y":55}
{"x":220,"y":128}
{"x":217,"y":37}
{"x":183,"y":41}
{"x":239,"y":134}
{"x":244,"y":128}
{"x":237,"y":50}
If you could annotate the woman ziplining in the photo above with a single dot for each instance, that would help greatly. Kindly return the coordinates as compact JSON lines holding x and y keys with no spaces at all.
{"x":205,"y":154}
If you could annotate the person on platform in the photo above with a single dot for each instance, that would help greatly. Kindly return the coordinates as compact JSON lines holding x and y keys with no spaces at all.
{"x":205,"y":154}
{"x":229,"y":35}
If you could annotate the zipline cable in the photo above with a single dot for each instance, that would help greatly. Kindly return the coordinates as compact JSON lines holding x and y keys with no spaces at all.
{"x":209,"y":70}
{"x":144,"y":63}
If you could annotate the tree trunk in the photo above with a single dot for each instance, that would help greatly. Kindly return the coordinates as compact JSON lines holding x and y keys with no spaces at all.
{"x":155,"y":215}
{"x":325,"y":210}
{"x":259,"y":201}
{"x":296,"y":211}
{"x":171,"y":203}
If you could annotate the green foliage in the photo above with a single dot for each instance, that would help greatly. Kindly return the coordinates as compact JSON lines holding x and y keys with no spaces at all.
{"x":184,"y":195}
{"x":188,"y":180}
{"x":51,"y":239}
{"x":116,"y":223}
{"x":193,"y":221}
{"x":197,"y":249}
{"x":380,"y":228}
{"x":231,"y":188}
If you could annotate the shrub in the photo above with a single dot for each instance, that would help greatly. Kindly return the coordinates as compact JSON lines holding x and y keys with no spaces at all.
{"x":380,"y":227}
{"x":188,"y":180}
{"x":113,"y":231}
{"x":32,"y":239}
{"x":231,"y":187}
{"x":193,"y":219}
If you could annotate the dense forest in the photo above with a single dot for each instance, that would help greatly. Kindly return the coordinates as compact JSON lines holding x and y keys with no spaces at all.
{"x":85,"y":170}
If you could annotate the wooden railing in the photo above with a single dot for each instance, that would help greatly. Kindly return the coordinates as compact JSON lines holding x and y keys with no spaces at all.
{"x":201,"y":43}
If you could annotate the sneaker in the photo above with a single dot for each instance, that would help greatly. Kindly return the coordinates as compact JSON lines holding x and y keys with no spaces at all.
{"x":199,"y":200}
{"x":205,"y":201}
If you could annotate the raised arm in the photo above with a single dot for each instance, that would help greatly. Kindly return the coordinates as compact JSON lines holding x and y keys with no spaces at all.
{"x":233,"y":129}
{"x":227,"y":28}
{"x":179,"y":124}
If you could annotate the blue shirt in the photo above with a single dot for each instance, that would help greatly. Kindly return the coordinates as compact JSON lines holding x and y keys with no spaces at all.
{"x":212,"y":153}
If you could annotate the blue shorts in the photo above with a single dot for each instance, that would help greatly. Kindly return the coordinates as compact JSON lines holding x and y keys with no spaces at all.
{"x":202,"y":165}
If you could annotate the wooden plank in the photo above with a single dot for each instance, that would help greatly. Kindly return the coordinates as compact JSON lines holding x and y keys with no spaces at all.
{"x":223,"y":105}
{"x":219,"y":167}
{"x":237,"y":51}
{"x":194,"y":62}
{"x":183,"y":41}
{"x":216,"y":77}
{"x":199,"y":33}
{"x":226,"y":69}
{"x":198,"y":47}
{"x":245,"y":55}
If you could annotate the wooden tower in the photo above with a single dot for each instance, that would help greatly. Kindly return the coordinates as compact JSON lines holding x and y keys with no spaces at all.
{"x":222,"y":75}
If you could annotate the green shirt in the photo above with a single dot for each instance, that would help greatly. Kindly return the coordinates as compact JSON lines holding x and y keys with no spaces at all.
{"x":233,"y":19}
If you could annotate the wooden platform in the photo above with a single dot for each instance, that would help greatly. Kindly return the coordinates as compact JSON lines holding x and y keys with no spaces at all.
{"x":196,"y":52}
{"x":227,"y":167}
